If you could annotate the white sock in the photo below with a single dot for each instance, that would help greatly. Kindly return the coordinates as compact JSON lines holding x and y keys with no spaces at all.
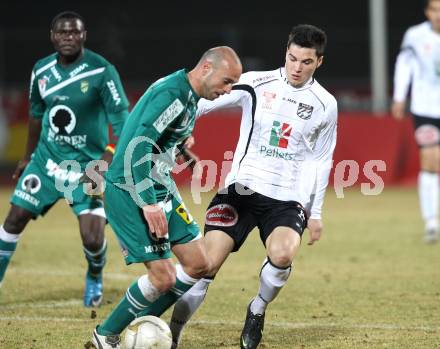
{"x":184,"y":277}
{"x":186,"y":306}
{"x":272,"y":279}
{"x":149,"y":291}
{"x":7,"y":237}
{"x":429,"y":198}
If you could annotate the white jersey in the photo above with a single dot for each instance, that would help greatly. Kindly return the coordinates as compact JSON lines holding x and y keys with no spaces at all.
{"x":418,"y":64}
{"x":287,"y":137}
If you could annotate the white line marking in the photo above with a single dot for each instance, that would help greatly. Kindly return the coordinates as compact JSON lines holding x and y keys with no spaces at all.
{"x":48,"y":304}
{"x":110,"y":276}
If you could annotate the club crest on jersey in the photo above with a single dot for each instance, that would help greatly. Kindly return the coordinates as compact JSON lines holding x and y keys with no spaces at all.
{"x":84,"y":86}
{"x":304,"y":111}
{"x":269,"y":97}
{"x":279,"y":135}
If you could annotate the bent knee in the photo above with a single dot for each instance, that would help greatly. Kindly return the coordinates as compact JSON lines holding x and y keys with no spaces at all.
{"x":281,"y":259}
{"x":199,"y":269}
{"x":15,"y":222}
{"x":93,"y":241}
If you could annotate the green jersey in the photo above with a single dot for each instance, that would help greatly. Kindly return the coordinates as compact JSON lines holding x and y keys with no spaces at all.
{"x":160,"y":121}
{"x":76,"y":103}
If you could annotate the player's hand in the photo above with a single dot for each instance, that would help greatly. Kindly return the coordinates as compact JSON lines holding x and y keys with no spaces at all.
{"x":398,"y":110}
{"x":20,"y":168}
{"x":315,"y":227}
{"x":156,"y":219}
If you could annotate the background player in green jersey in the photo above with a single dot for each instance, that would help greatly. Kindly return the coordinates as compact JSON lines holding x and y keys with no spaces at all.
{"x":74,"y":95}
{"x":142,"y":203}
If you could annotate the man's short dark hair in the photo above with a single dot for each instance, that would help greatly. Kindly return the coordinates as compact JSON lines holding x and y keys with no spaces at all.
{"x":67,"y":15}
{"x":306,"y":35}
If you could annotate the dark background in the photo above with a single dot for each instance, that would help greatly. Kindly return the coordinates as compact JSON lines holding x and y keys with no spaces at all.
{"x":148,"y":39}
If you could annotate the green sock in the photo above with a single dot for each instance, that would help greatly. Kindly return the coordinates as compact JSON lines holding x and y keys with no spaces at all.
{"x":96,"y":260}
{"x":125,"y":312}
{"x":7,"y":249}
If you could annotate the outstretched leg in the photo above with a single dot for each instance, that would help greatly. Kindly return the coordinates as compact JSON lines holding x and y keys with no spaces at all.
{"x":218,"y":245}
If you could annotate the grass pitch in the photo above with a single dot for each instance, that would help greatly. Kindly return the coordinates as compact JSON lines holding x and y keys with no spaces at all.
{"x":369,"y":283}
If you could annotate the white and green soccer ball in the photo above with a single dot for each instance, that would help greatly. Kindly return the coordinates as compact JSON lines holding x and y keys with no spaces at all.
{"x":147,"y":332}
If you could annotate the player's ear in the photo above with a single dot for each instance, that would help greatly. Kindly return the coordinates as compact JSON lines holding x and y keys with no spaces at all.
{"x":52,"y":38}
{"x":320,"y":60}
{"x":206,"y":67}
{"x":85,"y":36}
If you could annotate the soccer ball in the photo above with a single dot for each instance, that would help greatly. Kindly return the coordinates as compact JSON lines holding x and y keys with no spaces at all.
{"x":148,"y":332}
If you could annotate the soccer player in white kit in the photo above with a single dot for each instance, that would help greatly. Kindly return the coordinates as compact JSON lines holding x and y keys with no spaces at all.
{"x":279,"y":174}
{"x":418,"y":65}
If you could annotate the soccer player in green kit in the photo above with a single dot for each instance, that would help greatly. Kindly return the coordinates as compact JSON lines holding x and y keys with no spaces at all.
{"x":74,"y":95}
{"x":142,"y":202}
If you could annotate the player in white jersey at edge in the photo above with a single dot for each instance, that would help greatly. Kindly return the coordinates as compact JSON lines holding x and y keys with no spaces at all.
{"x":278,"y":178}
{"x":418,"y":65}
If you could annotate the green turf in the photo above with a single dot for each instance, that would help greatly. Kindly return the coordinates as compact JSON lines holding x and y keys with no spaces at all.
{"x":370,"y":283}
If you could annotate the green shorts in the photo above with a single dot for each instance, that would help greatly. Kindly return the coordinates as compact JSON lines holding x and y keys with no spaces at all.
{"x":36,"y":190}
{"x":131,"y":228}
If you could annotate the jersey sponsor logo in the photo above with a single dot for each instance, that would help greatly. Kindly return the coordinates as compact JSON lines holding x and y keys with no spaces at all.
{"x":269,"y":97}
{"x":263,"y":78}
{"x":159,"y":248}
{"x":275,"y":153}
{"x":31,"y":184}
{"x":279,"y":135}
{"x":78,"y":69}
{"x":427,"y":135}
{"x":54,"y":170}
{"x":304,"y":111}
{"x":62,"y":119}
{"x":114,"y":92}
{"x":169,"y":114}
{"x":26,"y":197}
{"x":84,"y":86}
{"x":184,"y":214}
{"x":59,"y":98}
{"x":222,"y":215}
{"x":290,"y":100}
{"x":55,"y":73}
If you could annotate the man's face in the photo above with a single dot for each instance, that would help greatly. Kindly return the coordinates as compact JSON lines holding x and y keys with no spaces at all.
{"x":68,"y":36}
{"x":301,"y":63}
{"x":219,"y":80}
{"x":432,"y":12}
